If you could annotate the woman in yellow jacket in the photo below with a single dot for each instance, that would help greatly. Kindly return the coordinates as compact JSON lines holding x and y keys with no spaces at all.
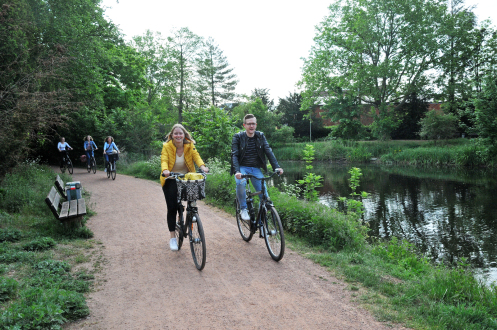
{"x":178,"y":155}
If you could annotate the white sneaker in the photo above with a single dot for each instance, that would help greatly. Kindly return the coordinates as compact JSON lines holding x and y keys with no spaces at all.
{"x":105,"y":170}
{"x":173,"y":244}
{"x":244,"y":214}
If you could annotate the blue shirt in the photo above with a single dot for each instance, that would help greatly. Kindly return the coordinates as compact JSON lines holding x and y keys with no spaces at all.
{"x":94,"y":146}
{"x":109,"y":147}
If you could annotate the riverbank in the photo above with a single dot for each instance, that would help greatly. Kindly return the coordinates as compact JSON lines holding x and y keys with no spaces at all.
{"x":460,"y":152}
{"x":45,"y":268}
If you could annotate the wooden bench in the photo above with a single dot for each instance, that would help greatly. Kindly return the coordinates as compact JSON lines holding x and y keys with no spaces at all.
{"x":68,"y":210}
{"x":59,"y":184}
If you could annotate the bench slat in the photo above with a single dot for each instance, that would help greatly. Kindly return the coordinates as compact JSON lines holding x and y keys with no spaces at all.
{"x":73,"y":208}
{"x":60,"y":186}
{"x":81,"y":206}
{"x":56,"y":201}
{"x":64,"y":210}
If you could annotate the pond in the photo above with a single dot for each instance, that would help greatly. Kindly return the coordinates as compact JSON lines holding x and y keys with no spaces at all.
{"x":449,"y":213}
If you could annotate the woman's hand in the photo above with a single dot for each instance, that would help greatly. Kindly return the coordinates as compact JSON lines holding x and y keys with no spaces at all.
{"x":204,"y":168}
{"x":165,"y":173}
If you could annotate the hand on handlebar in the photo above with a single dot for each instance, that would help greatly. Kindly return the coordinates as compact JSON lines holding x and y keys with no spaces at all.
{"x":165,"y":173}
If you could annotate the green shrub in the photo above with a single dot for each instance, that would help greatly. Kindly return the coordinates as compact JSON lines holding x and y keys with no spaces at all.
{"x":44,"y":309}
{"x":39,"y":244}
{"x":8,"y":288}
{"x":10,"y":235}
{"x":53,"y":267}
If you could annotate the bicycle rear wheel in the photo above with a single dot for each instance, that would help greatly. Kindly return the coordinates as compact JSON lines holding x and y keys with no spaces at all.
{"x":243,"y":225}
{"x":273,"y":234}
{"x":197,"y":241}
{"x":88,"y":168}
{"x":93,"y":165}
{"x":113,"y":172}
{"x":108,"y":169}
{"x":179,"y":235}
{"x":69,"y":166}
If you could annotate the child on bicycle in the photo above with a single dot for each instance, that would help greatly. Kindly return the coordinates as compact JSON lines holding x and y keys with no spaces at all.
{"x":249,"y":150}
{"x":178,"y":155}
{"x":109,"y":147}
{"x":89,"y":145}
{"x":63,"y":147}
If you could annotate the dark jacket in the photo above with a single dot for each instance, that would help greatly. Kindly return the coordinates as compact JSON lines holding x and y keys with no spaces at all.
{"x":239,"y":146}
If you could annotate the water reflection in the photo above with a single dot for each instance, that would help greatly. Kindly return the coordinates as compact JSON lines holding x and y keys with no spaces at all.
{"x":449,"y":213}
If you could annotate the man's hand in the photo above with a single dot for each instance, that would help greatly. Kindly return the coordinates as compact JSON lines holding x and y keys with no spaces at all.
{"x":238,"y":175}
{"x":279,"y":171}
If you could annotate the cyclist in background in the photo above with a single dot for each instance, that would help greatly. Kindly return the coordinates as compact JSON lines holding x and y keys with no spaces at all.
{"x":179,"y":155}
{"x":63,"y":147}
{"x":249,"y":150}
{"x":89,"y":146}
{"x":109,"y":147}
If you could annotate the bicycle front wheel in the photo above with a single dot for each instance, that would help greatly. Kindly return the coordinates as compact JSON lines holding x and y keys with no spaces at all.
{"x":108,"y":170}
{"x":179,"y":235}
{"x":274,"y":236}
{"x":69,"y":166}
{"x":113,"y":172}
{"x":93,"y":166}
{"x":197,"y":241}
{"x":243,"y":225}
{"x":88,"y":168}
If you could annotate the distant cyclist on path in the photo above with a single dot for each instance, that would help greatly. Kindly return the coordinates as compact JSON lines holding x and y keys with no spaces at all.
{"x":63,"y":147}
{"x":89,"y":146}
{"x":249,"y":150}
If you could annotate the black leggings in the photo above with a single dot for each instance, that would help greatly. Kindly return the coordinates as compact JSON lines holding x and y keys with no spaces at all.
{"x":170,"y":189}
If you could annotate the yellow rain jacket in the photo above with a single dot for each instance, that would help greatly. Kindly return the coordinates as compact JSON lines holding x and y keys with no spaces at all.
{"x":168,"y":157}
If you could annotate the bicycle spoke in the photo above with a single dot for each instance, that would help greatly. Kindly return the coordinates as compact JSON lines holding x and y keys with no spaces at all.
{"x":243,"y":225}
{"x":274,"y":236}
{"x":197,"y":242}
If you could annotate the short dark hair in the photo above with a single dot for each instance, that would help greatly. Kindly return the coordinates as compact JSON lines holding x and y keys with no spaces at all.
{"x":248,"y":116}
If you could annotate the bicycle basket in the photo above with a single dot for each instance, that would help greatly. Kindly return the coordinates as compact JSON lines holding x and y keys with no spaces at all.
{"x":190,"y":190}
{"x":113,"y":157}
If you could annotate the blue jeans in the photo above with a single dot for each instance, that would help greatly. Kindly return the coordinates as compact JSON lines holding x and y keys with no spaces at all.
{"x":88,"y":156}
{"x":242,"y":183}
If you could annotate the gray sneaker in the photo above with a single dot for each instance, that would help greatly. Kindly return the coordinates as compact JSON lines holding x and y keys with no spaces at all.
{"x":244,"y":215}
{"x":262,"y":231}
{"x":173,"y":244}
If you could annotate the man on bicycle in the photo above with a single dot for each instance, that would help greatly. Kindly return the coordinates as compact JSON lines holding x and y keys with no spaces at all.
{"x":248,"y":156}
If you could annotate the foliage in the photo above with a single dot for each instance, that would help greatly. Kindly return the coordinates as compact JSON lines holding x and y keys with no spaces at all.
{"x":372,"y":52}
{"x":10,"y":235}
{"x":289,"y":108}
{"x":486,"y":116}
{"x":39,"y":244}
{"x":354,"y":204}
{"x":8,"y":288}
{"x":410,"y":114}
{"x":215,"y":75}
{"x":311,"y":181}
{"x":438,"y":125}
{"x":213,"y":130}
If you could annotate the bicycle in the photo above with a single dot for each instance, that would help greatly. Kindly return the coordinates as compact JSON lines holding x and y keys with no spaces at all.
{"x":111,"y":166}
{"x":267,"y":220}
{"x":192,"y":227}
{"x":66,"y":162}
{"x":93,"y":163}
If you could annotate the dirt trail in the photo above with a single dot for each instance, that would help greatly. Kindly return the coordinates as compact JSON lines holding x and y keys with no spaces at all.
{"x":147,"y":286}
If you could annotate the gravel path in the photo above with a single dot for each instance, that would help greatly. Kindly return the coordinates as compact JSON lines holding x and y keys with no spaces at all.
{"x":146,"y":286}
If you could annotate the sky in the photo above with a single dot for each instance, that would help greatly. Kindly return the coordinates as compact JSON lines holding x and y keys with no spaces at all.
{"x":263,"y":40}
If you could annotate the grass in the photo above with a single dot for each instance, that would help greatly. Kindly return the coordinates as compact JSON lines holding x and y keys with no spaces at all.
{"x":42,"y":274}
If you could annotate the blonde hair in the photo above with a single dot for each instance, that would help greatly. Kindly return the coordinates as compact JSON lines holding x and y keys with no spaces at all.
{"x":91,"y":139}
{"x":107,"y":138}
{"x":188,"y":136}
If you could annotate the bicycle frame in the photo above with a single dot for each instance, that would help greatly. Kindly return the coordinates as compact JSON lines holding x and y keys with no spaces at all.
{"x":264,"y":203}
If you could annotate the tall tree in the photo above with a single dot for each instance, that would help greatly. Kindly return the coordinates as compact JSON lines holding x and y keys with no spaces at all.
{"x":456,"y":48}
{"x":264,"y":96}
{"x":185,"y":45}
{"x":377,"y":52}
{"x":161,"y":69}
{"x":215,"y":74}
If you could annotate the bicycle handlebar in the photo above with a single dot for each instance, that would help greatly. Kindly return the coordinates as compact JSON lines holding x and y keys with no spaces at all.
{"x":181,"y":175}
{"x":250,"y":176}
